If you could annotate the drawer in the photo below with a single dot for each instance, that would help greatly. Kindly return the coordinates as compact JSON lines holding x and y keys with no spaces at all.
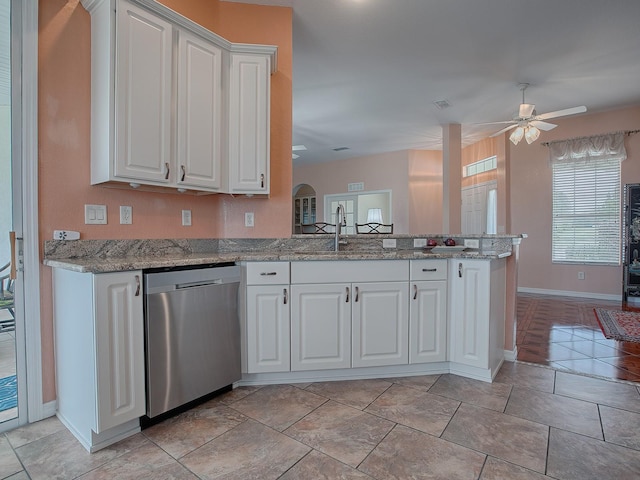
{"x":267,"y":273}
{"x":428,"y":269}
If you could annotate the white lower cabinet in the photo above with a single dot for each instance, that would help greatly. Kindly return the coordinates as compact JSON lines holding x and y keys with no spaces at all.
{"x":428,"y":311}
{"x":477,"y":322}
{"x":379,"y":324}
{"x":266,"y":321}
{"x":320,"y":326}
{"x":99,"y":342}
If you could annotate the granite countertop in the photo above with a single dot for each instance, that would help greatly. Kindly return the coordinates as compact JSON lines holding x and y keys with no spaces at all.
{"x":140,"y":262}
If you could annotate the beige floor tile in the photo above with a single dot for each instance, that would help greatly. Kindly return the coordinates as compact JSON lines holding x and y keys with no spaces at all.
{"x":406,"y":453}
{"x":318,"y":466}
{"x":415,"y":408}
{"x":421,"y":382}
{"x":147,"y":462}
{"x":483,"y":394}
{"x":621,"y":427}
{"x":573,"y":456}
{"x":278,"y":406}
{"x":509,"y":438}
{"x":251,"y":451}
{"x":34,"y":431}
{"x":496,"y":469}
{"x":355,"y":393}
{"x":604,"y":392}
{"x":9,"y":463}
{"x":529,"y":376}
{"x":60,"y":455}
{"x":19,"y":476}
{"x":184,"y":433}
{"x":345,"y":433}
{"x":555,"y":410}
{"x":237,"y":394}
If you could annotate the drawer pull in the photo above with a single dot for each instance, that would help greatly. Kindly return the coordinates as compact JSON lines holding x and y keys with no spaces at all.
{"x":284,"y":293}
{"x":429,"y":269}
{"x":415,"y":291}
{"x":137,"y":294}
{"x":347,"y":295}
{"x":268,"y":274}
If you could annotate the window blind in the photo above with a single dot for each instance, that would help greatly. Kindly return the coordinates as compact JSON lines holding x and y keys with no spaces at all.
{"x":586,"y":212}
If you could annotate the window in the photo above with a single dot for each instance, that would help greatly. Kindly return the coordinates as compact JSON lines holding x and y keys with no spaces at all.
{"x":586,"y":203}
{"x":480,"y":166}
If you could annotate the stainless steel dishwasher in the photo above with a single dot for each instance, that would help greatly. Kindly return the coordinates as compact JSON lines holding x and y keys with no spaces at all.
{"x":192,"y":335}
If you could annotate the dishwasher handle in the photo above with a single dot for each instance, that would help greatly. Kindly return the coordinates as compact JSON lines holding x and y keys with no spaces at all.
{"x":181,"y":286}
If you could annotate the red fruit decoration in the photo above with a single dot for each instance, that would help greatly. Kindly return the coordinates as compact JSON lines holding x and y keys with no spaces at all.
{"x":450,"y":242}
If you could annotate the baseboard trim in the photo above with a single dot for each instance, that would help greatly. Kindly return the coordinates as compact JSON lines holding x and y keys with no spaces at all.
{"x":511,"y":355}
{"x":567,"y":293}
{"x":49,"y":409}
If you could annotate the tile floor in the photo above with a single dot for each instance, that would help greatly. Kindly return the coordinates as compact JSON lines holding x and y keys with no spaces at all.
{"x":533,"y":422}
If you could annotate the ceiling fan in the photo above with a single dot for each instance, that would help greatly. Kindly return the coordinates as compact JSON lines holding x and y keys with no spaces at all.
{"x":528,"y":123}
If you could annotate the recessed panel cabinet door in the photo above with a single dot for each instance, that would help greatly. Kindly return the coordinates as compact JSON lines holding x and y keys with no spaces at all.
{"x":268,"y":331}
{"x":199,"y":112}
{"x":428,"y":322}
{"x":249,"y":124}
{"x":320,"y":326}
{"x":143,"y":95}
{"x":380,"y":324}
{"x":119,"y":337}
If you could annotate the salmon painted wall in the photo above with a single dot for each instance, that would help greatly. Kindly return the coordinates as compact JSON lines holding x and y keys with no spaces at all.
{"x":425,"y":191}
{"x":64,"y":88}
{"x":531,"y":204}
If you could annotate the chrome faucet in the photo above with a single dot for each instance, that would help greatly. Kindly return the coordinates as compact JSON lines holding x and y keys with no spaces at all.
{"x":341,"y":221}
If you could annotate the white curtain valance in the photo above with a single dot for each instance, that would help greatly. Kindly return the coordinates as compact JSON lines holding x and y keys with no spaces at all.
{"x":587,"y":149}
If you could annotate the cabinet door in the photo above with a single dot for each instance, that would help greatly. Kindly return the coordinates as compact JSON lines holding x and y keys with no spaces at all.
{"x":199,"y":95}
{"x":469,"y":312}
{"x":268,"y":329}
{"x":119,"y":348}
{"x":428,"y":322}
{"x":379,"y":324}
{"x":320,"y":326}
{"x":143,"y":95}
{"x":249,"y":96}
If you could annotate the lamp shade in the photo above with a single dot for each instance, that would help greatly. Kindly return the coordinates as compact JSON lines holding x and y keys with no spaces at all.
{"x":517,"y":135}
{"x":532,"y":134}
{"x":374,"y":215}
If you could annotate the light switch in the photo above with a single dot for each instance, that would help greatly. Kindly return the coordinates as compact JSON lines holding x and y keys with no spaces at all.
{"x":95,"y":214}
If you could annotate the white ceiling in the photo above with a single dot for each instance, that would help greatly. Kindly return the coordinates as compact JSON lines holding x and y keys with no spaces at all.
{"x":366,"y":72}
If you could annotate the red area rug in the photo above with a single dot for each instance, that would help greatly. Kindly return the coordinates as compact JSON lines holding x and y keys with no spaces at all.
{"x":619,"y":325}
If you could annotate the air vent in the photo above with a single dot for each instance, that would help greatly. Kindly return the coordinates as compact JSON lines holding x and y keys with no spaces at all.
{"x":340,"y":149}
{"x":442,"y":104}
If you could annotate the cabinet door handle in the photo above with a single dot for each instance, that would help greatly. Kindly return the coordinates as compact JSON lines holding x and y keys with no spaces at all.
{"x":357,"y":294}
{"x":184,"y":172}
{"x":347,"y":292}
{"x":415,"y":291}
{"x":268,"y":274}
{"x":284,"y":293}
{"x":262,"y":180}
{"x":429,"y":269}
{"x":166,"y":167}
{"x":460,"y":270}
{"x":137,"y":294}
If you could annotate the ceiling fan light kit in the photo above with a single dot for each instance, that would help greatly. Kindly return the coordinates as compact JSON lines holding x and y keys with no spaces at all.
{"x":528,"y":123}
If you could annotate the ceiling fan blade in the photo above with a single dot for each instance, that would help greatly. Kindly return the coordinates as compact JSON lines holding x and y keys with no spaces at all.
{"x":561,"y":113}
{"x":505,"y":129}
{"x":526,"y":110}
{"x":493,"y":123}
{"x":543,"y":125}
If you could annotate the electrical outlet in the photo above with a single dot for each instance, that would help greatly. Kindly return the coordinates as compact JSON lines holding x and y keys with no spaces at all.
{"x":388,"y":243}
{"x":248,"y":219}
{"x":125,"y":215}
{"x":186,"y":218}
{"x":580,"y":275}
{"x":472,"y":242}
{"x":419,"y":242}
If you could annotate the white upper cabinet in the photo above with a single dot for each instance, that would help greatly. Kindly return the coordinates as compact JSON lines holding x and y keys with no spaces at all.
{"x":143,"y":96}
{"x":174,"y":105}
{"x":249,"y":124}
{"x":199,"y":109}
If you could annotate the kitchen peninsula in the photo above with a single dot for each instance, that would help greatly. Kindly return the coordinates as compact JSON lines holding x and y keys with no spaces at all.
{"x":307,"y":313}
